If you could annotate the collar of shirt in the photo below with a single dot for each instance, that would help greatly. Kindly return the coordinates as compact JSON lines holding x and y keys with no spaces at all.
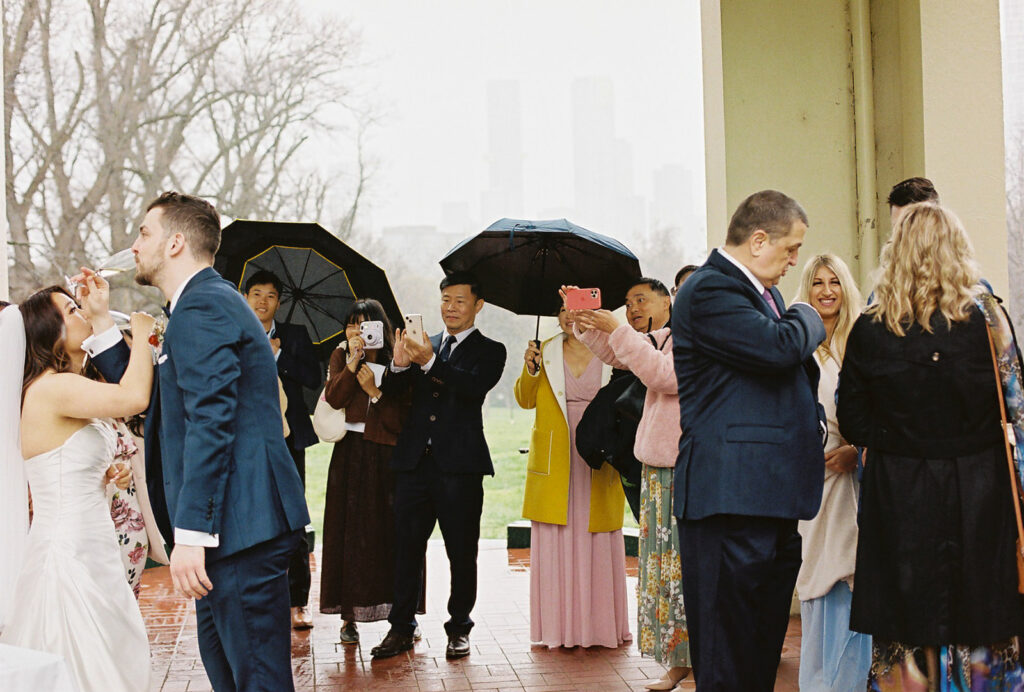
{"x":181,"y":288}
{"x":758,"y":286}
{"x":272,"y":332}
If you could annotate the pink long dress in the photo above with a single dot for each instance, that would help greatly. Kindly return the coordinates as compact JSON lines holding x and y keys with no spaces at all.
{"x":578,"y":578}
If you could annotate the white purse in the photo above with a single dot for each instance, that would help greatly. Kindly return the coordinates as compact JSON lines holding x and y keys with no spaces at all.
{"x":328,"y":422}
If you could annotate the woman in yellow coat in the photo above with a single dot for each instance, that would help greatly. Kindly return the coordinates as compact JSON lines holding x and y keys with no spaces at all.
{"x":577,"y":555}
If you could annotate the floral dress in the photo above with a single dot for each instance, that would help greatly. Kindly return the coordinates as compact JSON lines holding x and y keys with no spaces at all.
{"x":126,"y":512}
{"x":662,"y":619}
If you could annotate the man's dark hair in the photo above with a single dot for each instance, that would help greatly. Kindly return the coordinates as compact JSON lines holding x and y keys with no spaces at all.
{"x":769,"y":211}
{"x":912,"y":191}
{"x":194,"y":218}
{"x":264,"y":276}
{"x":683,"y":272}
{"x":461,"y":278}
{"x":653,"y":284}
{"x":4,"y":304}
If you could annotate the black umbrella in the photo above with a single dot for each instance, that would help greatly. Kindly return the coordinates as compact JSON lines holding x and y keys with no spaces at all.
{"x":522,"y":264}
{"x":322,"y":276}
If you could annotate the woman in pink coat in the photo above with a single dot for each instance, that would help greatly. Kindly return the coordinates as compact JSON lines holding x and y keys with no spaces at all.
{"x":644,"y":347}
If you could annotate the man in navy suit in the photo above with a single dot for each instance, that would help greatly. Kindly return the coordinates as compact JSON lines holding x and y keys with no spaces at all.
{"x":440,"y":460}
{"x":222,"y":483}
{"x":298,"y":367}
{"x":750,"y":456}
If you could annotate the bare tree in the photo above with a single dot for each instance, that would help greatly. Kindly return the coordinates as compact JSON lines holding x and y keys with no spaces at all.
{"x":108,"y":102}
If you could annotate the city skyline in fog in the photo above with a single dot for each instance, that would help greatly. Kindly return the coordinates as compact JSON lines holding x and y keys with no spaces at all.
{"x":588,"y":110}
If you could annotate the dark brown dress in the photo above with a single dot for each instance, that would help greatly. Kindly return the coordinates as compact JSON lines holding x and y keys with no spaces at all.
{"x":357,"y":575}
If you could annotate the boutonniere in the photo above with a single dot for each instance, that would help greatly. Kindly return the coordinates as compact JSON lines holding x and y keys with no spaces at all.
{"x":156,"y":338}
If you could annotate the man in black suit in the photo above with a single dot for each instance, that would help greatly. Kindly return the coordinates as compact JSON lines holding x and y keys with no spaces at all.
{"x":298,"y":367}
{"x":440,"y":460}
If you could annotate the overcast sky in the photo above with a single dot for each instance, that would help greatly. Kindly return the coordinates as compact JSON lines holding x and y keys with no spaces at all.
{"x":429,"y":67}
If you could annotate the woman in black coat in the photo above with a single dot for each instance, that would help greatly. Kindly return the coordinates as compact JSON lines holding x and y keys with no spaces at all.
{"x":936,"y":573}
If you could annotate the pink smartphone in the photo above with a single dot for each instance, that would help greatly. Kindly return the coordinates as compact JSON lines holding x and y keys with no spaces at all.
{"x":583,"y":299}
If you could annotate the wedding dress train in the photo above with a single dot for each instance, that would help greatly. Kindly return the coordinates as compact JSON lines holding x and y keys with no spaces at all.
{"x":72,"y":598}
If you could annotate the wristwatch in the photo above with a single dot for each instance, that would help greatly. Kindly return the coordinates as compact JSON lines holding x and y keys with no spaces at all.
{"x":374,"y":399}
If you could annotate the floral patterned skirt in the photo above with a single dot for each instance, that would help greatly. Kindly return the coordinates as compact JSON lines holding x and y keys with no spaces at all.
{"x":897,"y":667}
{"x":126,"y":512}
{"x":662,"y":620}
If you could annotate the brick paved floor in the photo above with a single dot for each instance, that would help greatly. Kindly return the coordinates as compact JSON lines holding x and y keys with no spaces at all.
{"x":502,"y":658}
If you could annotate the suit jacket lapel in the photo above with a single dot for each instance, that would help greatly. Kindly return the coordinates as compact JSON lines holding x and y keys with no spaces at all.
{"x":458,"y":351}
{"x":729,"y":269}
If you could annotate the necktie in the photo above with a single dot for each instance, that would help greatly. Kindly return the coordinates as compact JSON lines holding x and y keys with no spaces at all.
{"x":167,"y":308}
{"x":446,"y":349}
{"x":771,"y":301}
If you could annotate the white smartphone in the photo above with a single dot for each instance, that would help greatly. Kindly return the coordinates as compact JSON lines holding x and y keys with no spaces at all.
{"x":414,"y":327}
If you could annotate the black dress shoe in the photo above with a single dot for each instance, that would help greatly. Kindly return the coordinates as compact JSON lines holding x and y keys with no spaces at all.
{"x":458,"y":646}
{"x":392,"y":645}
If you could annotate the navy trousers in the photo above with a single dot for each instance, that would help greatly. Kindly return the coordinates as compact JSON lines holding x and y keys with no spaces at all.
{"x":738,"y":578}
{"x":244,"y":624}
{"x":299,"y":577}
{"x":424,"y":497}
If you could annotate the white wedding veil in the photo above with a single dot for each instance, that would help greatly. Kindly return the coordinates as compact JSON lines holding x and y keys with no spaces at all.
{"x":13,"y":488}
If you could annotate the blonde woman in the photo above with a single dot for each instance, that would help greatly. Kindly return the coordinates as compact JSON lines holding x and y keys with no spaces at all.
{"x":832,"y":658}
{"x":936,"y":574}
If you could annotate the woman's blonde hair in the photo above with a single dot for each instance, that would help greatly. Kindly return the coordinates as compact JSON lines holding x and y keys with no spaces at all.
{"x":849,"y":308}
{"x":926,"y":267}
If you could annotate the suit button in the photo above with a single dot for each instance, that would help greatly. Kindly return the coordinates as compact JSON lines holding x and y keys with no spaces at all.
{"x":437,"y":394}
{"x":433,"y":418}
{"x":935,"y":357}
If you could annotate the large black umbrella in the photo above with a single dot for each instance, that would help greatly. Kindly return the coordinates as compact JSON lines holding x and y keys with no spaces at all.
{"x":521,"y":264}
{"x":322,"y":276}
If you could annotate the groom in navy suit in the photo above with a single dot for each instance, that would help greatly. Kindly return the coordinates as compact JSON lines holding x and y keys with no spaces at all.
{"x":223,"y":485}
{"x":751,"y":461}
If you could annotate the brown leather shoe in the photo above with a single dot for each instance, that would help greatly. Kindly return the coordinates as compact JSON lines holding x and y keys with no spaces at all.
{"x":301,"y":618}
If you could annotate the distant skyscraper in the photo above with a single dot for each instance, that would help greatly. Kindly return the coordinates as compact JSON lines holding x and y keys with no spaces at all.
{"x":504,"y":196}
{"x":603,"y":164}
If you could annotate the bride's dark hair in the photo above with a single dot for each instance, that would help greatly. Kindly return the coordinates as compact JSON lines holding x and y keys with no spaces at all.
{"x":44,"y":335}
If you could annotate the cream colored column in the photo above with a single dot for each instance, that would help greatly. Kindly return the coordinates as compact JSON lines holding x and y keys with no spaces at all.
{"x":834,"y":106}
{"x":962,"y":107}
{"x":779,"y":113}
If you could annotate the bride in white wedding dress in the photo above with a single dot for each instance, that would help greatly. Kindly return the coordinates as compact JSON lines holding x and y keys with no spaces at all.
{"x":71,"y":596}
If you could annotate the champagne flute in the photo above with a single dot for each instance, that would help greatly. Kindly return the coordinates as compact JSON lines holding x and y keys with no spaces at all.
{"x":115,"y":264}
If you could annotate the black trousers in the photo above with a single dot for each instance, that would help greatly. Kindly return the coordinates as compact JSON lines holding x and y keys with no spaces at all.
{"x":738,"y":578}
{"x":299,"y":578}
{"x":425,"y":496}
{"x":243,"y":624}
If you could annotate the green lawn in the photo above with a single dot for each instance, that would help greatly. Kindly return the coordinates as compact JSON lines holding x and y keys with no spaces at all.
{"x":507,"y":430}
